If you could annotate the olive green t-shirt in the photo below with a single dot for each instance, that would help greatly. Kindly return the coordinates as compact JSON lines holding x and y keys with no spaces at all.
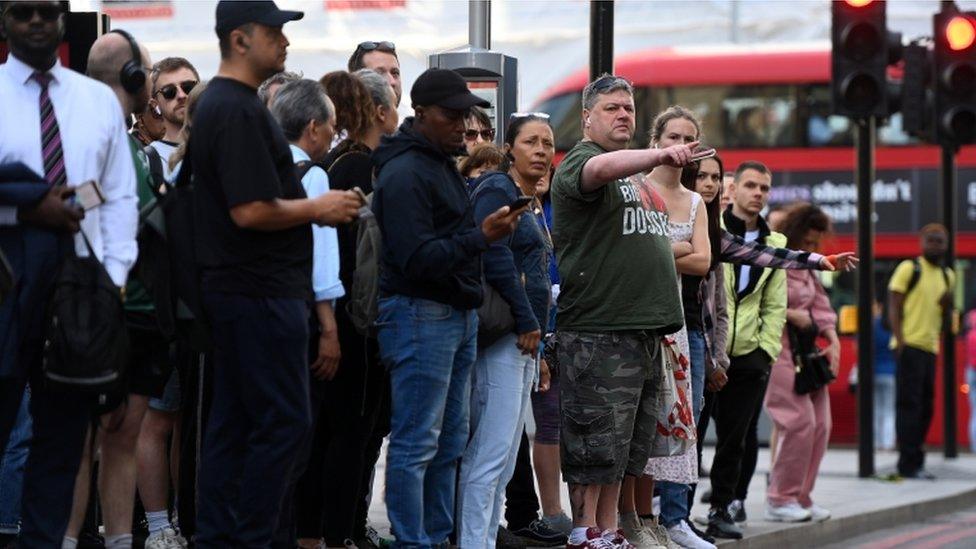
{"x":615,"y":261}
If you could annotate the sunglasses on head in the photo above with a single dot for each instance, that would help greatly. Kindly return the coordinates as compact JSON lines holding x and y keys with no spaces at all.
{"x":23,"y":13}
{"x":382,"y":46}
{"x":487,"y":135}
{"x":169,"y":90}
{"x":542,"y":115}
{"x":608,"y":81}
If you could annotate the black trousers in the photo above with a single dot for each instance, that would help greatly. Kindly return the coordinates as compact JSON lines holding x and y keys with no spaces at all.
{"x":736,"y":406}
{"x":328,"y":496}
{"x":750,"y":455}
{"x":914,"y":393}
{"x":702,"y":426}
{"x":521,"y":501}
{"x":196,"y":396}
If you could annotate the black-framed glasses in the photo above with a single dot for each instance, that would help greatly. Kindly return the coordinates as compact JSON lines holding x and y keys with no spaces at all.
{"x":542,"y":115}
{"x":169,"y":90}
{"x":382,"y":46}
{"x":23,"y":13}
{"x":487,"y":135}
{"x":608,"y":81}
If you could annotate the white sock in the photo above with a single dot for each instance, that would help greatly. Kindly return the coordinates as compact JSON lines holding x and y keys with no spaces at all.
{"x":578,"y":535}
{"x":157,"y":521}
{"x":69,"y":543}
{"x":118,"y":541}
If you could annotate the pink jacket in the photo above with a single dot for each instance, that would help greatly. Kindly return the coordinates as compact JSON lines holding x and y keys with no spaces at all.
{"x":804,"y":292}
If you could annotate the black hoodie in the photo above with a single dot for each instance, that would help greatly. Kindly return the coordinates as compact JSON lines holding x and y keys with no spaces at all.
{"x":431,"y":245}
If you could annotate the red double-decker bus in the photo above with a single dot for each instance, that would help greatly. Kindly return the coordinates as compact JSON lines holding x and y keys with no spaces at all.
{"x":772,"y":104}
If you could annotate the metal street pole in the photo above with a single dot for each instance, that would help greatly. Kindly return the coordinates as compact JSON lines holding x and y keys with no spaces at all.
{"x":601,"y":38}
{"x":479,"y":24}
{"x":949,"y":191}
{"x":865,"y":297}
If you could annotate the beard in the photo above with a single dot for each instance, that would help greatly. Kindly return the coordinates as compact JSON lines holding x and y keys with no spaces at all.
{"x":175,"y":119}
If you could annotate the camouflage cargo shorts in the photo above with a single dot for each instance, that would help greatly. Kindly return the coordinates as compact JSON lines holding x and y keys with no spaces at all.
{"x":608,"y":403}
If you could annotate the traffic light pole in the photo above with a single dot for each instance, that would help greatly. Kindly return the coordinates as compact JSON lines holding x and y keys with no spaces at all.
{"x":865,"y":297}
{"x":601,"y":38}
{"x":948,"y":173}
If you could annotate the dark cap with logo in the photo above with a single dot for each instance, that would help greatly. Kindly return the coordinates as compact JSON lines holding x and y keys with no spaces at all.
{"x":444,"y":88}
{"x":232,"y":14}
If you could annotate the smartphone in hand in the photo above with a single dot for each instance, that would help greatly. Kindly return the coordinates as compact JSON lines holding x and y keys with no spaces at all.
{"x":702,"y":154}
{"x":520,"y":203}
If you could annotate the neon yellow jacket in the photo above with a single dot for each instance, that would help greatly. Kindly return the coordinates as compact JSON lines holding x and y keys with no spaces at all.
{"x":757,"y":318}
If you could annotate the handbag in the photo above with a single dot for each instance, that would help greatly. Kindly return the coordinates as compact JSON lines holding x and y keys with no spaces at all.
{"x":811,"y":367}
{"x":495,"y":319}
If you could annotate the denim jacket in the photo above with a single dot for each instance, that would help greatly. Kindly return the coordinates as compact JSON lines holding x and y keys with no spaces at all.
{"x":518,"y":266}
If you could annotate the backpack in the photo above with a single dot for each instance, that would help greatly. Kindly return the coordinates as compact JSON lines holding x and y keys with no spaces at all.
{"x":153,"y":266}
{"x":912,"y":282}
{"x":86,"y":342}
{"x":363,"y":306}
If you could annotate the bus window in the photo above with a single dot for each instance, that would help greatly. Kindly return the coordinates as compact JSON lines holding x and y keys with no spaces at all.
{"x":706,"y":103}
{"x":759,"y":116}
{"x":565,"y":112}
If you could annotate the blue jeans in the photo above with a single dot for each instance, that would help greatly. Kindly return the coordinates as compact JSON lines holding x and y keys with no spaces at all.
{"x":674,"y":496}
{"x":12,"y":464}
{"x":429,"y":349}
{"x":884,"y":411}
{"x":258,"y":420}
{"x":502,"y":383}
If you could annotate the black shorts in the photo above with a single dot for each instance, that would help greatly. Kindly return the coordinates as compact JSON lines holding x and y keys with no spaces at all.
{"x":149,"y":365}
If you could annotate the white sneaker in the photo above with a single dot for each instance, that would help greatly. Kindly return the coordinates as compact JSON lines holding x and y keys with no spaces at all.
{"x":818,"y":513}
{"x":167,"y":538}
{"x":682,"y":535}
{"x":791,"y":512}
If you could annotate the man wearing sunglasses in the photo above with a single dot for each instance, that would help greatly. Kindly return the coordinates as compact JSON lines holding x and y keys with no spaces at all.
{"x":70,"y":129}
{"x":380,"y":57}
{"x":173,"y":79}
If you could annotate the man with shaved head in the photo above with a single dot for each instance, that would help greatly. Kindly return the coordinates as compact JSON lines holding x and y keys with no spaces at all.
{"x":69,"y":129}
{"x":118,"y":61}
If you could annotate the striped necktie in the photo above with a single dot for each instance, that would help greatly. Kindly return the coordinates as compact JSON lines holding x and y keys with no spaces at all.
{"x":51,"y":151}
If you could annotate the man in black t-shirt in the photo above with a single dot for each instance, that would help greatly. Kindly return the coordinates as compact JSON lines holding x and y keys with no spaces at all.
{"x":254,"y":247}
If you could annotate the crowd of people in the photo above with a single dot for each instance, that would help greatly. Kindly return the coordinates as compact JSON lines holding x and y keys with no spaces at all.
{"x":329,"y":277}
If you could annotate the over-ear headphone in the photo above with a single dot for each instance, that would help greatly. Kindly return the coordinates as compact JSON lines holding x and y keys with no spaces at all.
{"x":131,"y":75}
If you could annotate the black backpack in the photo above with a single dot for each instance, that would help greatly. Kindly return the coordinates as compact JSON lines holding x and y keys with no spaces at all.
{"x":86,"y":342}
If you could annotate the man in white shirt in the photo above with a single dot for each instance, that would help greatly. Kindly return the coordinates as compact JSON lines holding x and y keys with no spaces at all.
{"x":172,"y":80}
{"x":91,"y":136}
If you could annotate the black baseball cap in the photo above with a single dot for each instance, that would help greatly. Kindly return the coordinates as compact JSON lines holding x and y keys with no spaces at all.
{"x":444,"y":88}
{"x":234,"y":13}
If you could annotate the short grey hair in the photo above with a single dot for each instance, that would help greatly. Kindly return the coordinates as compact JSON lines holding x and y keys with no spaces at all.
{"x":607,"y":83}
{"x":283,"y":77}
{"x":297,"y":103}
{"x":380,"y":90}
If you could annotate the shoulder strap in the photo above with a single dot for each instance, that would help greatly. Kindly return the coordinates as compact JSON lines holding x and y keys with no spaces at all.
{"x":302,"y":168}
{"x":916,"y":275}
{"x":695,"y":201}
{"x":155,"y":168}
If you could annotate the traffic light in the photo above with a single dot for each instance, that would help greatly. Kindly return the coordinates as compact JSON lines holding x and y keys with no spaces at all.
{"x":955,"y":76}
{"x":862,"y":50}
{"x":916,"y":98}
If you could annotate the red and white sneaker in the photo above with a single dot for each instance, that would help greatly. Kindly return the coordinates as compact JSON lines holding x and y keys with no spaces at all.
{"x":594,"y":540}
{"x":618,"y":539}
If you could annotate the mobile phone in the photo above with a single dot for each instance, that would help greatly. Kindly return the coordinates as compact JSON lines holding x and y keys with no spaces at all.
{"x":702,"y":154}
{"x":89,"y":195}
{"x":520,"y":203}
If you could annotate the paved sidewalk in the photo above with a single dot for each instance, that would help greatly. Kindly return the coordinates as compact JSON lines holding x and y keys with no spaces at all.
{"x":858,"y":505}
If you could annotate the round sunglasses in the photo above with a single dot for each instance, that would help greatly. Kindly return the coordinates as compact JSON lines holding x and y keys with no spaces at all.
{"x":169,"y":90}
{"x":487,"y":135}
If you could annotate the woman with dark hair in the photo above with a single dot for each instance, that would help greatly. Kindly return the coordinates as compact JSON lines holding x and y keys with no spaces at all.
{"x":517,"y":268}
{"x":802,"y":420}
{"x":348,"y":407}
{"x":478,"y":129}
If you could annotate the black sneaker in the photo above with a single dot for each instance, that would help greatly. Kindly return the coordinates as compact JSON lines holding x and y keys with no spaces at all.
{"x":508,"y":540}
{"x":721,"y":525}
{"x":921,"y":474}
{"x":539,"y":534}
{"x":699,"y":533}
{"x":706,"y":496}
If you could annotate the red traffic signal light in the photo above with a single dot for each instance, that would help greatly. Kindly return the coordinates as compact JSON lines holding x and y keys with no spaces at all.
{"x":960,"y":33}
{"x":862,"y":49}
{"x":858,"y":3}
